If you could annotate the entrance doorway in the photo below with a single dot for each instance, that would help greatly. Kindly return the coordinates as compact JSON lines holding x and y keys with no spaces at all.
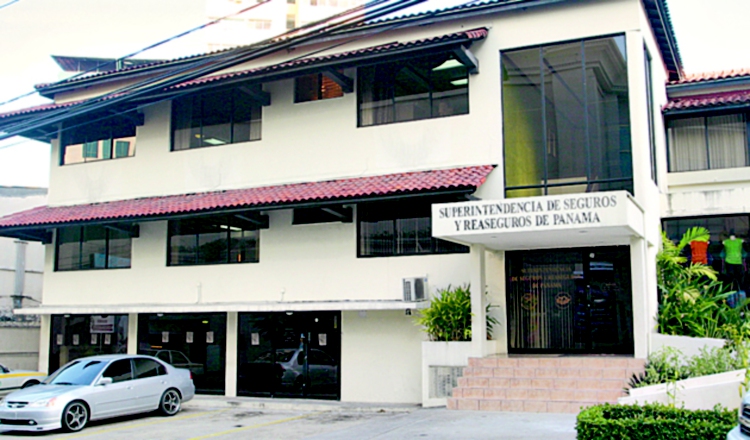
{"x":570,"y":301}
{"x":292,"y":354}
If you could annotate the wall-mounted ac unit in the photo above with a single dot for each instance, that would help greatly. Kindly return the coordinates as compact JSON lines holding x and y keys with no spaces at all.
{"x":415,"y":289}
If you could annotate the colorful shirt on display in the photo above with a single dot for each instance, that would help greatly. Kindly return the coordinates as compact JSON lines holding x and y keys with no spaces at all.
{"x":699,"y":252}
{"x":733,"y":250}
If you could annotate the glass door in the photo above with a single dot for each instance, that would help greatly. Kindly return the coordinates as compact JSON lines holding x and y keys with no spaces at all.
{"x":292,"y":354}
{"x":570,"y":301}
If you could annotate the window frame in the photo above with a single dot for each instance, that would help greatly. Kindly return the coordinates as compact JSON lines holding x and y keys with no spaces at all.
{"x":201,"y":98}
{"x":390,"y":88}
{"x":172,"y":225}
{"x":113,"y":137}
{"x":391,"y":204}
{"x":745,"y":113}
{"x":545,"y":186}
{"x":81,"y":241}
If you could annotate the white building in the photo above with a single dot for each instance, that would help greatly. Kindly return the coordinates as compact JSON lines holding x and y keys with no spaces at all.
{"x":21,"y":266}
{"x":260,"y":213}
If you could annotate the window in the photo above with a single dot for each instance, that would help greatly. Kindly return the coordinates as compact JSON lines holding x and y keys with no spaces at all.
{"x":408,"y":90}
{"x":400,"y":228}
{"x":212,"y":240}
{"x":707,"y":143}
{"x":89,"y":143}
{"x":92,"y":247}
{"x":719,"y":227}
{"x":217,"y":118}
{"x":119,"y":371}
{"x":147,"y":368}
{"x":566,"y":118}
{"x":315,"y":87}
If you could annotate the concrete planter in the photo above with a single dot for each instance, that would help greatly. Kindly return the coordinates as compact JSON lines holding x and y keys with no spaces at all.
{"x":689,"y":346}
{"x":695,"y":393}
{"x":442,"y":363}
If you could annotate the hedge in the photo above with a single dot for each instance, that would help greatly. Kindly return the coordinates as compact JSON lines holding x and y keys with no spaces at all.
{"x":653,"y":421}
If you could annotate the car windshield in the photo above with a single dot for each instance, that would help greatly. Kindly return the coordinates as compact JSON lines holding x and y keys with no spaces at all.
{"x":76,"y":373}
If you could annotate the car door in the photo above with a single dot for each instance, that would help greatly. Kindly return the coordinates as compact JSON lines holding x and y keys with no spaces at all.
{"x":149,"y":382}
{"x":118,"y":397}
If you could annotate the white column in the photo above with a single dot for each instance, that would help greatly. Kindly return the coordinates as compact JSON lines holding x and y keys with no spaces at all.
{"x":642,"y":318}
{"x":132,"y":333}
{"x":496,"y":296}
{"x":478,"y":318}
{"x":230,"y":378}
{"x":45,"y":330}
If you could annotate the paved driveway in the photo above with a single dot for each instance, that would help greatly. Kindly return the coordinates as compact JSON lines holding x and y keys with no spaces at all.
{"x":242,"y":423}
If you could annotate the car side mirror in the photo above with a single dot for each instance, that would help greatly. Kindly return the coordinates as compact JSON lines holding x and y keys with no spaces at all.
{"x":104,"y":381}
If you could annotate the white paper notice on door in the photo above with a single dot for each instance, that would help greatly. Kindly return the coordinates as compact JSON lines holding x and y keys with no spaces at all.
{"x":322,"y":339}
{"x":189,"y":337}
{"x":209,"y":337}
{"x":76,"y":339}
{"x":255,"y":338}
{"x":59,"y":339}
{"x":107,"y":339}
{"x":94,"y":338}
{"x":164,"y":336}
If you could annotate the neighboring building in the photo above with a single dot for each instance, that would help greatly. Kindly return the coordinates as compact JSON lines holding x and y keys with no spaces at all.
{"x":256,"y":215}
{"x":21,"y":270}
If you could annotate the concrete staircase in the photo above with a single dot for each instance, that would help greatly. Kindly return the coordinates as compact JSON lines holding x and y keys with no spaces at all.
{"x":542,"y":384}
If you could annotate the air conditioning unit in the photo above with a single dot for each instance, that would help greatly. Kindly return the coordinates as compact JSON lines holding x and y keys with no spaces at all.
{"x":415,"y":289}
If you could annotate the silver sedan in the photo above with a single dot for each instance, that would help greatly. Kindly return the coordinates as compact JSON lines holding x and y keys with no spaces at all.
{"x":97,"y":387}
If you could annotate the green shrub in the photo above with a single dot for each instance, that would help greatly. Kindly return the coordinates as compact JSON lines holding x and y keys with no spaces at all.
{"x":448,"y":317}
{"x":668,"y":365}
{"x":653,"y":422}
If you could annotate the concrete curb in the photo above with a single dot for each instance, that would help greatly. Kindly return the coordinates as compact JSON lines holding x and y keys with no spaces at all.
{"x":205,"y":402}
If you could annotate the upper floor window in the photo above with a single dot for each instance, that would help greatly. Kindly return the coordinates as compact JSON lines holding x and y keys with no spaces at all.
{"x":315,"y":87}
{"x":566,"y":118}
{"x":215,"y":118}
{"x":400,"y":228}
{"x":211,"y":240}
{"x":92,"y":247}
{"x":707,"y":143}
{"x":94,"y":142}
{"x":425,"y":87}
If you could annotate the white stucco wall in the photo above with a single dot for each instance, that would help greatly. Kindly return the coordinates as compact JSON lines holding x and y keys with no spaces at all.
{"x":381,"y":357}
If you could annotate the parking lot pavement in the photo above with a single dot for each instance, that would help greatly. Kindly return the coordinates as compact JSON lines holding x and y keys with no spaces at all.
{"x":241,"y":423}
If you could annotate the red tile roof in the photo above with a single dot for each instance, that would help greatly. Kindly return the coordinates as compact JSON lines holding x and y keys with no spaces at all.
{"x":331,"y":190}
{"x":37,"y":109}
{"x":722,"y":99}
{"x":713,"y":76}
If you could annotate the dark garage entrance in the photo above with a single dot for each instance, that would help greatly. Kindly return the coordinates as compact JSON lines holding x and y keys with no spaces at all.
{"x":289,"y":354}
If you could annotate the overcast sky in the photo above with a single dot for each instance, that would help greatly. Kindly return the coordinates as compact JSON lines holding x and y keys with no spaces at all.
{"x":711,"y":34}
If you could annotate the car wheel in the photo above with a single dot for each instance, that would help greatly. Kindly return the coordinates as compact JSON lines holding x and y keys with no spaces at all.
{"x":75,"y":416}
{"x":170,"y":402}
{"x":30,"y":383}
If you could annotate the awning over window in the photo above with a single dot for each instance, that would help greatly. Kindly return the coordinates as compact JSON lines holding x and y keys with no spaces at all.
{"x":465,"y":179}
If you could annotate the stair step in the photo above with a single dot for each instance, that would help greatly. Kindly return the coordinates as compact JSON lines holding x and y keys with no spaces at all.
{"x":517,"y":405}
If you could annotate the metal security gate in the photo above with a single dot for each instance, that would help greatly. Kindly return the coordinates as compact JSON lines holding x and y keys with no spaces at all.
{"x":570,"y":301}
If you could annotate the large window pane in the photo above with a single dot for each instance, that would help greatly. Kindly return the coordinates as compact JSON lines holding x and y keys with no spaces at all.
{"x":76,"y":336}
{"x":92,"y":247}
{"x":704,"y":143}
{"x":420,"y":88}
{"x":566,"y":118}
{"x":95,"y":142}
{"x":212,"y":240}
{"x":400,"y":228}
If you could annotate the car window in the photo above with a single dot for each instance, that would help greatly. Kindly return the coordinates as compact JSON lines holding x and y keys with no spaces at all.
{"x":119,"y":371}
{"x":4,"y":369}
{"x":76,"y":373}
{"x":317,"y":357}
{"x":179,"y":358}
{"x":164,"y":355}
{"x":147,"y":368}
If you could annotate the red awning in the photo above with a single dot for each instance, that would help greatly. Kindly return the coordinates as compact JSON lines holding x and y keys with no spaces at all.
{"x":454,"y":179}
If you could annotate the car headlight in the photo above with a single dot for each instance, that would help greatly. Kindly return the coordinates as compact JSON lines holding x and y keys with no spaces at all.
{"x":42,"y":403}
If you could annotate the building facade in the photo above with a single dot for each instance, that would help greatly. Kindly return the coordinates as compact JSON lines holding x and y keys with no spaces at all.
{"x":262,"y":216}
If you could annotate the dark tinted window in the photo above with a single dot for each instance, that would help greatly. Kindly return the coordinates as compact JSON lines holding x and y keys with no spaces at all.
{"x":147,"y":368}
{"x":400,"y":228}
{"x":92,"y":247}
{"x":425,"y":87}
{"x":98,"y":141}
{"x":119,"y":371}
{"x":315,"y":87}
{"x":212,"y":240}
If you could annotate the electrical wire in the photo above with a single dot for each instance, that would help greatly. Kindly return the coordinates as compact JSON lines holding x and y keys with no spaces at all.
{"x":212,"y":66}
{"x":5,"y":5}
{"x":231,"y":58}
{"x":147,"y":48}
